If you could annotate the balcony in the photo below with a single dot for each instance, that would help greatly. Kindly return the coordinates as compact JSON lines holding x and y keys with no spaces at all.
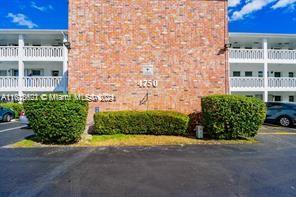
{"x":8,"y":84}
{"x":248,"y":83}
{"x":42,"y":84}
{"x":282,"y":56}
{"x":246,"y":55}
{"x":32,"y":53}
{"x":43,"y":53}
{"x":257,"y":56}
{"x":257,"y":84}
{"x":9,"y":53}
{"x":281,"y":82}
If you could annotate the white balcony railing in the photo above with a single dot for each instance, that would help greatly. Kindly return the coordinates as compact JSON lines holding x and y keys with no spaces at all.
{"x":276,"y":56}
{"x":39,"y":53}
{"x":9,"y":52}
{"x":43,"y":52}
{"x":8,"y":83}
{"x":246,"y":54}
{"x":247,"y":82}
{"x":281,"y":54}
{"x":45,"y":83}
{"x":281,"y":82}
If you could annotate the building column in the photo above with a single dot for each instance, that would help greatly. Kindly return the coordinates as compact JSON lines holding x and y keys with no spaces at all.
{"x":265,"y":96}
{"x":65,"y":63}
{"x":21,"y":66}
{"x":265,"y":48}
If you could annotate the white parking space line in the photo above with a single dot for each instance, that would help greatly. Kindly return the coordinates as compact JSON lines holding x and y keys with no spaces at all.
{"x":14,"y":128}
{"x":5,"y":123}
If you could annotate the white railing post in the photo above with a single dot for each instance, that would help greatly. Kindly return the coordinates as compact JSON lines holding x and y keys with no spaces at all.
{"x":265,"y":48}
{"x":21,"y":67}
{"x":65,"y":64}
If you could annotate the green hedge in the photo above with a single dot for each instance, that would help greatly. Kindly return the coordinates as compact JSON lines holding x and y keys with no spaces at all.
{"x":232,"y":116}
{"x":16,"y":107}
{"x":141,"y":122}
{"x":57,"y":121}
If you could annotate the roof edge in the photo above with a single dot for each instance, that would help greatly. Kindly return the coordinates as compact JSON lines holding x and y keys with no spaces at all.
{"x":261,"y":35}
{"x":17,"y":31}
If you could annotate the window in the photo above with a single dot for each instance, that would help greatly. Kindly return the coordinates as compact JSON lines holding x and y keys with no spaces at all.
{"x":291,"y":74}
{"x":277,"y":74}
{"x":249,"y":96}
{"x":249,"y":74}
{"x":36,"y":72}
{"x":277,"y":98}
{"x":260,"y":73}
{"x":291,"y":98}
{"x":55,"y":73}
{"x":3,"y":72}
{"x":14,"y":72}
{"x":236,"y":73}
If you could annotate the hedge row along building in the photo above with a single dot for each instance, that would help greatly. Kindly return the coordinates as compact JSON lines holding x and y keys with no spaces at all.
{"x":149,"y":54}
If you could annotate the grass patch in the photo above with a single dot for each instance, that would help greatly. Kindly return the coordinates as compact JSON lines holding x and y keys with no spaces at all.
{"x":28,"y":142}
{"x":133,"y":140}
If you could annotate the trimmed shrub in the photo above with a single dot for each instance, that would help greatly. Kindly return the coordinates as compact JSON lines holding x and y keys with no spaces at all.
{"x":232,"y":116}
{"x":141,"y":122}
{"x":16,"y":107}
{"x":57,"y":121}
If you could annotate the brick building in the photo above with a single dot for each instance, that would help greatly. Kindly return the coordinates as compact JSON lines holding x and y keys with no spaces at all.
{"x":178,"y":47}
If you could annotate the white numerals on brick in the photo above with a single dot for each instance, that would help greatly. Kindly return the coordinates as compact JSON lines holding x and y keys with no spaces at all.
{"x":148,"y":83}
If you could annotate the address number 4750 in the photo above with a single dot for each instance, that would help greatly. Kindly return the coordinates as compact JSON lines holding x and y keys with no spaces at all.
{"x":148,"y":83}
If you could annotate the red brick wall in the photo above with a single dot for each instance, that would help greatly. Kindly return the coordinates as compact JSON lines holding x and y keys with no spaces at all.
{"x":184,"y":40}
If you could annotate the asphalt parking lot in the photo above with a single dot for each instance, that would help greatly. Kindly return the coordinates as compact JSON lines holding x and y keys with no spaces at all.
{"x":11,"y":132}
{"x":263,"y":169}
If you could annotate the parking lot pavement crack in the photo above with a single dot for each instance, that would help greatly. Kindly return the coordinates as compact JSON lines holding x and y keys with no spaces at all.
{"x":37,"y":186}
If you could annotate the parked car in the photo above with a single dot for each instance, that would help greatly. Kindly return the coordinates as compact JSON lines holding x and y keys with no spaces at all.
{"x":6,"y":115}
{"x":23,"y":118}
{"x":280,"y":113}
